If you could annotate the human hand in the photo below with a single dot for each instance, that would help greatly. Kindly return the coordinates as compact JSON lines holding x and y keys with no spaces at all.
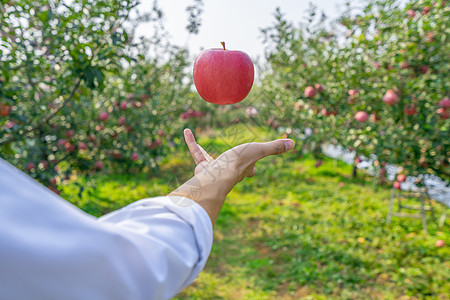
{"x":201,"y":157}
{"x":214,"y":178}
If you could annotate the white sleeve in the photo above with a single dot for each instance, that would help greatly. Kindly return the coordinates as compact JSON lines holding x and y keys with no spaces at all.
{"x":49,"y":249}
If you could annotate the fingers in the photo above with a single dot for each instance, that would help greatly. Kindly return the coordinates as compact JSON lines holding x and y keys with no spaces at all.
{"x":194,"y":148}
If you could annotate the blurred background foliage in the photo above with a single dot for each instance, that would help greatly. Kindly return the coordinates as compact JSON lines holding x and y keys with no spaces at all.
{"x":80,"y":92}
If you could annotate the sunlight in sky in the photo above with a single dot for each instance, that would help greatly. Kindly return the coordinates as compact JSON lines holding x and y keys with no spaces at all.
{"x":237,"y":22}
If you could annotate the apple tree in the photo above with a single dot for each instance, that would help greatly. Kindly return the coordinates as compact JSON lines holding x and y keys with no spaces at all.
{"x":375,"y":81}
{"x":80,"y":92}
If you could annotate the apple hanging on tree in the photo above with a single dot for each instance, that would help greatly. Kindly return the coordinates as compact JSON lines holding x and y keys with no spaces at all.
{"x":223,"y":76}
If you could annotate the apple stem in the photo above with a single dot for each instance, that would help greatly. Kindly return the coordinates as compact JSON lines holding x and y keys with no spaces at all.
{"x":223,"y":45}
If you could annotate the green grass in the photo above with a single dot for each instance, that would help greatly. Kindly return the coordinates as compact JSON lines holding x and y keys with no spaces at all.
{"x":291,"y":232}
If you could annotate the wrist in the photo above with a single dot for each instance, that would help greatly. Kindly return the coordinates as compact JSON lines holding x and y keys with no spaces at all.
{"x":209,"y":189}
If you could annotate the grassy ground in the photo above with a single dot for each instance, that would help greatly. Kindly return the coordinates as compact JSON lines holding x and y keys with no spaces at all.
{"x":294,"y":232}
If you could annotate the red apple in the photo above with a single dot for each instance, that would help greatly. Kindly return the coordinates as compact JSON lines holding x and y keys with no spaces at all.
{"x":123,"y":105}
{"x":374,"y":117}
{"x":439,"y":243}
{"x":116,"y":154}
{"x":122,"y":121}
{"x":397,"y":185}
{"x":103,"y":116}
{"x":352,"y":93}
{"x":358,"y":160}
{"x":423,"y":69}
{"x":445,"y":103}
{"x":30,"y":166}
{"x":4,"y":110}
{"x":10,"y":124}
{"x":361,"y":116}
{"x":158,"y":143}
{"x":404,"y":65}
{"x":411,"y":13}
{"x":390,"y":97}
{"x":410,"y":110}
{"x":134,"y":156}
{"x":161,"y":133}
{"x":443,"y":113}
{"x":310,"y":92}
{"x":426,"y":10}
{"x":223,"y":76}
{"x":82,"y":146}
{"x":401,"y":178}
{"x":98,"y":165}
{"x":69,"y":147}
{"x":70,"y":133}
{"x":325,"y":112}
{"x":61,"y":142}
{"x":318,"y":87}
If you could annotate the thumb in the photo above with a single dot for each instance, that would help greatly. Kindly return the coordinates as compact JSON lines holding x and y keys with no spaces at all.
{"x":253,"y":152}
{"x":275,"y":147}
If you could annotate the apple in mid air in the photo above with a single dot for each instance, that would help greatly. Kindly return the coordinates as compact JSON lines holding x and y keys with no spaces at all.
{"x":223,"y":76}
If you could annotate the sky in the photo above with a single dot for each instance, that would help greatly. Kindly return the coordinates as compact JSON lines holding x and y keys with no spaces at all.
{"x":237,"y":22}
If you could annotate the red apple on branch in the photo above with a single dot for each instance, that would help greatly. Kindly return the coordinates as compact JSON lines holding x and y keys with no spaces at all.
{"x":411,"y":13}
{"x":223,"y":76}
{"x":4,"y":110}
{"x":318,"y":87}
{"x":134,"y":156}
{"x":103,"y":116}
{"x":123,"y":105}
{"x":30,"y":166}
{"x":445,"y":103}
{"x":310,"y":92}
{"x":410,"y":110}
{"x":361,"y":116}
{"x":439,"y":243}
{"x":443,"y":113}
{"x":98,"y":165}
{"x":352,"y":93}
{"x":401,"y":178}
{"x":390,"y":97}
